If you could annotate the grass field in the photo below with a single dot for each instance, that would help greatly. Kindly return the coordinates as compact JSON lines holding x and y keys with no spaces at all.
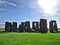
{"x":16,"y":38}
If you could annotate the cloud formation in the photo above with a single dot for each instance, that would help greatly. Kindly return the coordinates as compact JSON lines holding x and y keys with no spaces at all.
{"x":4,"y":4}
{"x":33,"y":4}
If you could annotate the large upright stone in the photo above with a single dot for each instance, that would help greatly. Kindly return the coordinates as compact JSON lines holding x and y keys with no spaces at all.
{"x":27,"y":26}
{"x":8,"y":27}
{"x":14,"y":26}
{"x":53,"y":26}
{"x":35,"y":26}
{"x":43,"y":26}
{"x":22,"y":27}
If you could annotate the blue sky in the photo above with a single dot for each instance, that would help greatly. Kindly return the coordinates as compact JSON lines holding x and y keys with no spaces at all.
{"x":23,"y":10}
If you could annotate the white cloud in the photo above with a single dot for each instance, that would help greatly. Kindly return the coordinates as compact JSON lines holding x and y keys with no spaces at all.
{"x":11,"y":4}
{"x":3,"y":2}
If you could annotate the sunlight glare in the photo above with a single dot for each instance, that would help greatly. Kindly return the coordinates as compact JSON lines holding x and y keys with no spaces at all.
{"x":48,"y":6}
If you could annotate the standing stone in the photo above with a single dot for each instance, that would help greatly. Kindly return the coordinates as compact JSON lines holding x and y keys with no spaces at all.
{"x":27,"y":26}
{"x":53,"y":26}
{"x":14,"y":27}
{"x":43,"y":26}
{"x":22,"y":27}
{"x":8,"y":27}
{"x":35,"y":26}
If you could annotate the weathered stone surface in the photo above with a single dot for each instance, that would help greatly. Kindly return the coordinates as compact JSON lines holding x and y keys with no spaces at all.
{"x":35,"y":26}
{"x":43,"y":26}
{"x":14,"y":26}
{"x":22,"y":27}
{"x":8,"y":27}
{"x":27,"y":26}
{"x":53,"y":26}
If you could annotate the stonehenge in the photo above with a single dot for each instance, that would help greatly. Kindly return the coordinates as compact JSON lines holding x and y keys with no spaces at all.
{"x":36,"y":26}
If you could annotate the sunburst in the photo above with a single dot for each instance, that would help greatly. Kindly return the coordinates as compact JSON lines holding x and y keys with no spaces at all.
{"x":48,"y":6}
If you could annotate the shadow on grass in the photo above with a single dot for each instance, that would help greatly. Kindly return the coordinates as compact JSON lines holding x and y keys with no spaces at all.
{"x":29,"y":32}
{"x":55,"y":32}
{"x":1,"y":32}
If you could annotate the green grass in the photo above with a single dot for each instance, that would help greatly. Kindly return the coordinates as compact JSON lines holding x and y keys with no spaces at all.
{"x":16,"y":38}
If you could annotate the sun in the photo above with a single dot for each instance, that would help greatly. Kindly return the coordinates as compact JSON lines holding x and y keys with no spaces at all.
{"x":48,"y":6}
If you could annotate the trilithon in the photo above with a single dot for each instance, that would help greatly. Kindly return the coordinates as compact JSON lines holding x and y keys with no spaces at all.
{"x":35,"y":26}
{"x":53,"y":26}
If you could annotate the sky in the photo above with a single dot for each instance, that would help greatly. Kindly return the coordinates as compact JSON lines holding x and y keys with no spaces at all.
{"x":29,"y":10}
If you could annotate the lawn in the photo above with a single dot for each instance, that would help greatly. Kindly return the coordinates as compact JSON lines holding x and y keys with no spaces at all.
{"x":16,"y":38}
